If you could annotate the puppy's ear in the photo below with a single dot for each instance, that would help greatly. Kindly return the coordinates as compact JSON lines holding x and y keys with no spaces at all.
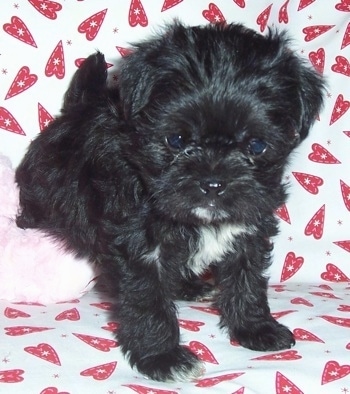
{"x":142,"y":70}
{"x":312,"y":87}
{"x":88,"y":83}
{"x":136,"y":81}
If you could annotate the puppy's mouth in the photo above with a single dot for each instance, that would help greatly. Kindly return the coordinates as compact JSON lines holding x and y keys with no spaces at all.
{"x":210,"y":213}
{"x":210,"y":207}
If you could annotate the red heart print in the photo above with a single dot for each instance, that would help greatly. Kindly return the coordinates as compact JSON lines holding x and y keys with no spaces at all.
{"x":190,"y":325}
{"x":347,"y":133}
{"x":277,"y":315}
{"x":52,"y":390}
{"x":339,"y":321}
{"x":147,"y":390}
{"x":233,"y":342}
{"x":18,"y":29}
{"x":106,"y":306}
{"x":92,"y":25}
{"x":137,"y":14}
{"x":24,"y":330}
{"x":47,"y":8}
{"x":69,"y":314}
{"x":55,"y":65}
{"x":78,"y":62}
{"x":278,"y":288}
{"x":344,"y":5}
{"x":315,"y":225}
{"x":291,"y":266}
{"x":100,"y":372}
{"x":282,"y":213}
{"x":263,"y":18}
{"x":12,"y":313}
{"x":170,"y":3}
{"x":9,"y":123}
{"x":309,"y":182}
{"x":301,"y":301}
{"x":302,"y":335}
{"x":102,"y":344}
{"x":207,"y":309}
{"x":210,"y":382}
{"x":348,"y":346}
{"x":45,"y":352}
{"x":240,"y":3}
{"x":318,"y":59}
{"x":202,"y":352}
{"x":23,"y":81}
{"x":345,"y":192}
{"x":341,"y":106}
{"x":283,"y":384}
{"x":11,"y":376}
{"x":111,"y":326}
{"x":213,"y":14}
{"x":305,"y":3}
{"x":239,"y":391}
{"x":283,"y":13}
{"x":346,"y":38}
{"x":312,"y":32}
{"x":325,"y":287}
{"x":325,"y":295}
{"x":287,"y":355}
{"x":344,"y":244}
{"x":334,"y":274}
{"x":342,"y":66}
{"x":44,"y":117}
{"x":344,"y":308}
{"x":320,"y":154}
{"x":124,"y":51}
{"x":334,"y":371}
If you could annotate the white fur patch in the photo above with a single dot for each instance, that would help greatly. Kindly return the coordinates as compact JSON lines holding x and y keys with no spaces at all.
{"x":185,"y":375}
{"x":208,"y":215}
{"x":153,"y":257}
{"x":213,"y":244}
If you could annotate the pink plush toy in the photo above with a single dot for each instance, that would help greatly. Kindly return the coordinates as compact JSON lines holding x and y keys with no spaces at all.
{"x":33,"y":267}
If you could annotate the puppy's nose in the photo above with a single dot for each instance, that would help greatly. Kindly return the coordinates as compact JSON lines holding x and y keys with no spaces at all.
{"x":212,"y":188}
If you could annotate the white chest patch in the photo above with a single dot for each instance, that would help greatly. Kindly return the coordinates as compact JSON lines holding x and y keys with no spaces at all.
{"x":213,"y":244}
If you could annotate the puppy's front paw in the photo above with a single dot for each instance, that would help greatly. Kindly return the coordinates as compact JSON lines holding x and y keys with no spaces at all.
{"x":266,"y":336}
{"x":177,"y":365}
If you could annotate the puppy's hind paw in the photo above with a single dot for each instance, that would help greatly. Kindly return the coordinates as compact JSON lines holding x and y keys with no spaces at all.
{"x":178,"y":365}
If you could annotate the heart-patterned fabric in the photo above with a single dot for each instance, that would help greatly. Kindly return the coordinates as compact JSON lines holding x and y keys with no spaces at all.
{"x":70,"y":348}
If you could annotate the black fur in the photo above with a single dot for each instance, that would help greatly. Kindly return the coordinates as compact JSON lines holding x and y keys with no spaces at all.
{"x":177,"y":171}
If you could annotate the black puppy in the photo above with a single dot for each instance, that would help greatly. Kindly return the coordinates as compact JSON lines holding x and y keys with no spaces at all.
{"x":178,"y":171}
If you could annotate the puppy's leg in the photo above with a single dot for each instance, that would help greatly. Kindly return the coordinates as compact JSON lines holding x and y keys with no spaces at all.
{"x":243,"y":302}
{"x":149,"y":332}
{"x":88,"y":83}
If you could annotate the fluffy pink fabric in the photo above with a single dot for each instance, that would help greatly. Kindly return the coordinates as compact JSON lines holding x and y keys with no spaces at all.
{"x":33,"y":267}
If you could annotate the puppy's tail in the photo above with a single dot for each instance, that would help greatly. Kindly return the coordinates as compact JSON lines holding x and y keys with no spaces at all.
{"x":88,"y":83}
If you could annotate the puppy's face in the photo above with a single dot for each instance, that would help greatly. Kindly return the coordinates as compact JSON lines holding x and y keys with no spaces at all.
{"x":216,"y":112}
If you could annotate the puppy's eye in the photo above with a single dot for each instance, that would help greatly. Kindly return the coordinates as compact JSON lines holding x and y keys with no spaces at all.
{"x":257,"y":146}
{"x":175,"y":141}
